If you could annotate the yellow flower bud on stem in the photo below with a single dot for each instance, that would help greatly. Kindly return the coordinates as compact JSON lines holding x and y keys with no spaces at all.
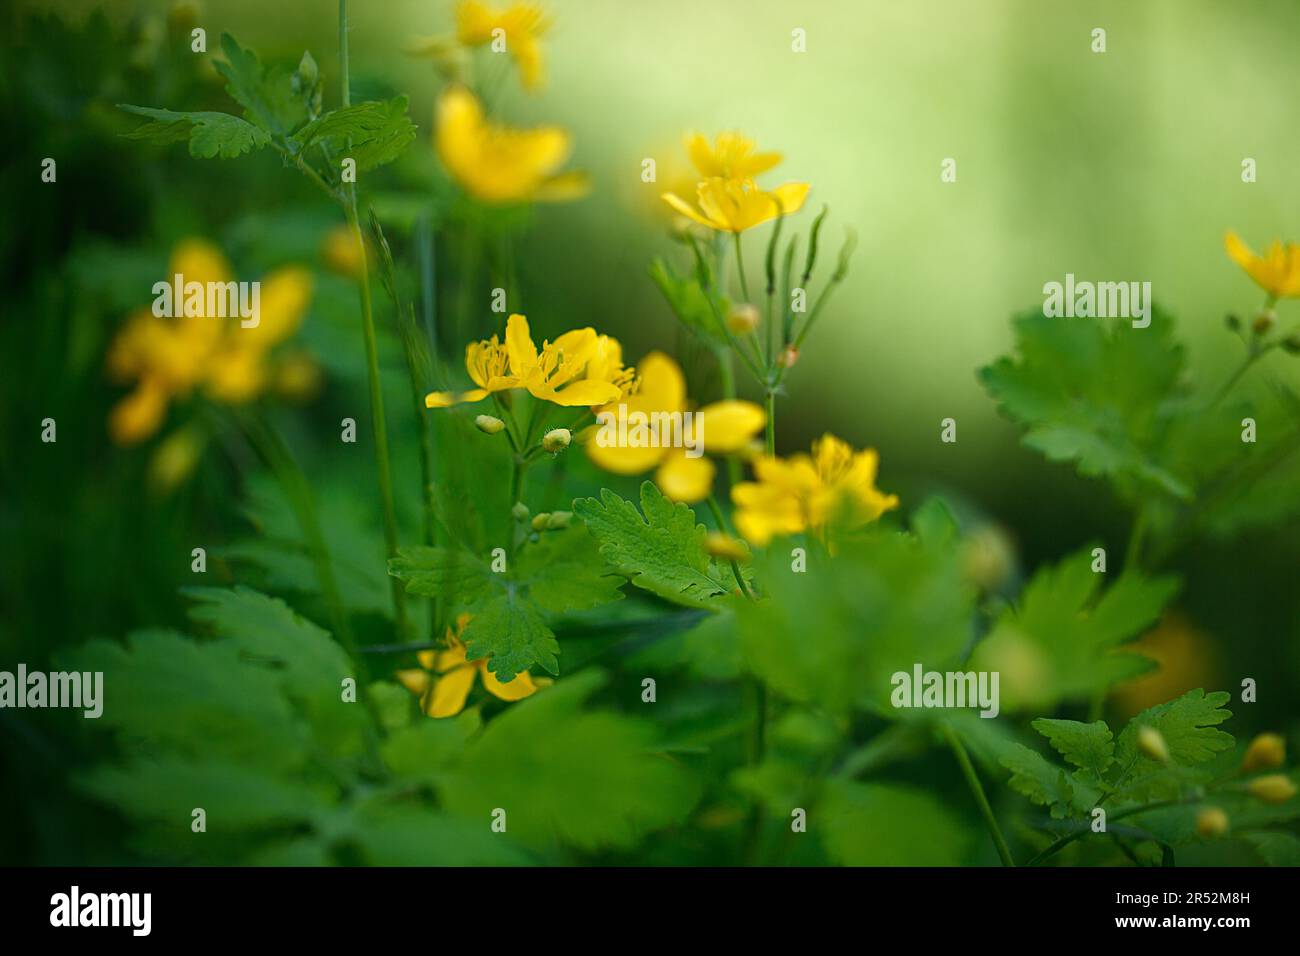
{"x":1272,"y":788}
{"x":1211,"y":822}
{"x":556,"y":440}
{"x":1152,"y":744}
{"x":1266,"y":752}
{"x":489,"y":424}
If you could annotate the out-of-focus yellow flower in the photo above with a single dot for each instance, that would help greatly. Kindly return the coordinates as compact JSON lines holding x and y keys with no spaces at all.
{"x":1185,"y":659}
{"x":730,"y":156}
{"x":722,"y":545}
{"x":561,"y":372}
{"x":1272,"y":788}
{"x":802,"y":493}
{"x":341,"y":253}
{"x":729,"y":205}
{"x":167,"y":358}
{"x":501,"y":164}
{"x":721,"y":428}
{"x":452,"y":687}
{"x":1266,"y":752}
{"x":1212,"y":822}
{"x":1277,"y":272}
{"x":174,"y":459}
{"x":522,"y":26}
{"x":298,"y":377}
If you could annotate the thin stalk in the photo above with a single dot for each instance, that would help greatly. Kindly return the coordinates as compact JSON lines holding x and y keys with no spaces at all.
{"x":1085,"y":829}
{"x":727,"y":372}
{"x":740,"y":268}
{"x":771,"y":422}
{"x":372,"y":356}
{"x":722,"y":526}
{"x":981,"y":799}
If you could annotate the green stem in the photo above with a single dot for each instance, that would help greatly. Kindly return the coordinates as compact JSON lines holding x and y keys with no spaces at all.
{"x":727,"y":373}
{"x":771,"y":422}
{"x":372,"y":358}
{"x":740,"y":267}
{"x":981,"y":799}
{"x":1085,"y":829}
{"x":721,"y":519}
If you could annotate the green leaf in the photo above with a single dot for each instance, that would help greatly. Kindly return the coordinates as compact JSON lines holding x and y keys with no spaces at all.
{"x":408,"y":836}
{"x":835,"y":636}
{"x":1189,"y":725}
{"x":209,"y":134}
{"x":1061,"y":642}
{"x":165,"y":691}
{"x":1088,"y":746}
{"x":881,"y":824}
{"x":564,"y":571}
{"x":372,"y":133}
{"x":267,"y":95}
{"x":508,"y":611}
{"x":166,"y":789}
{"x":690,"y":303}
{"x":662,"y":552}
{"x":586,"y":778}
{"x":1038,"y":779}
{"x":1093,"y":392}
{"x":1276,"y":847}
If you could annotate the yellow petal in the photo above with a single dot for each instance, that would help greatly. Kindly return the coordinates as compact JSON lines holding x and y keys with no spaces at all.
{"x":284,"y":298}
{"x":686,"y":210}
{"x":519,"y":345}
{"x":447,"y":399}
{"x":621,"y":459}
{"x":685,"y":479}
{"x":138,"y":416}
{"x":517,"y":689}
{"x":199,"y":261}
{"x":791,"y":196}
{"x":578,"y":393}
{"x":448,"y":698}
{"x":571,"y":185}
{"x":728,"y":426}
{"x":414,"y":680}
{"x":663,"y":387}
{"x":451,"y":658}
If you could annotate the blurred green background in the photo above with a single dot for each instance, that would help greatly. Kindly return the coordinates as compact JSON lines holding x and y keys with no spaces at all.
{"x":1117,"y":166}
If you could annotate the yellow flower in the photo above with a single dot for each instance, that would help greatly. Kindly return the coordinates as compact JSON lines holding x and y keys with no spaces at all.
{"x":802,"y":493}
{"x":729,"y":205}
{"x":169,"y":358}
{"x":341,"y":253}
{"x":722,"y":428}
{"x":522,"y":25}
{"x":500,"y":164}
{"x":731,"y":156}
{"x":451,"y":689}
{"x":1277,"y":273}
{"x":562,"y":372}
{"x":1266,"y":752}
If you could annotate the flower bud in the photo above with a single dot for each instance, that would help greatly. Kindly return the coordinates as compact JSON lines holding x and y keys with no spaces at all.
{"x":1211,"y":822}
{"x":556,"y":440}
{"x":1264,"y":321}
{"x":488,"y":424}
{"x":1265,"y":752}
{"x":1272,"y":788}
{"x":540,"y":519}
{"x":1291,"y":344}
{"x":1233,"y":322}
{"x":742,"y":318}
{"x":789,"y":355}
{"x":1152,"y":744}
{"x":519,"y":511}
{"x":559,"y":520}
{"x":724,"y":546}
